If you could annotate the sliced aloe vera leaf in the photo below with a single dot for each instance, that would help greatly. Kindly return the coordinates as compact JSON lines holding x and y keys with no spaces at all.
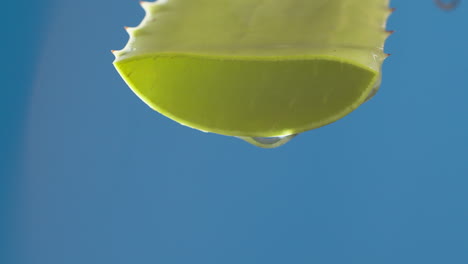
{"x":256,"y":68}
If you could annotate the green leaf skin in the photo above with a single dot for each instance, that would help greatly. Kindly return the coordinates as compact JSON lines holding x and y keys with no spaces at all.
{"x":256,"y":68}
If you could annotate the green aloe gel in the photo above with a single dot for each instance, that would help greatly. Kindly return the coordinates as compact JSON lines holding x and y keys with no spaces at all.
{"x":261,"y":70}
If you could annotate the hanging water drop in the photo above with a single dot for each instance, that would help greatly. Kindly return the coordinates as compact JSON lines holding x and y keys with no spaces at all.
{"x":269,"y":142}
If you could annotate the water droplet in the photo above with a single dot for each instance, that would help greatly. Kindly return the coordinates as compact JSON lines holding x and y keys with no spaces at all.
{"x":268,"y":142}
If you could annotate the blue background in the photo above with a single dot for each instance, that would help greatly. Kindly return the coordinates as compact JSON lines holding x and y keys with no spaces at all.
{"x":89,"y":174}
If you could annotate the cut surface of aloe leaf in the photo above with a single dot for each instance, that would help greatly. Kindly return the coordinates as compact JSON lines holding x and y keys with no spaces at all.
{"x":256,"y":68}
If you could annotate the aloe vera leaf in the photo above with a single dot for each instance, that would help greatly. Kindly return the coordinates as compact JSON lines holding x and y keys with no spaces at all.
{"x":256,"y":68}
